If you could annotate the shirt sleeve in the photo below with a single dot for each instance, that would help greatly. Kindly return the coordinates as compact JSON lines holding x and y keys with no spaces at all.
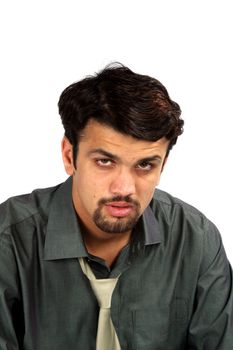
{"x":10,"y":323}
{"x":211,"y":327}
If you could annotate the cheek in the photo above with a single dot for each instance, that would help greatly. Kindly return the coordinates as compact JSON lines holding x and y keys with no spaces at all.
{"x":88,"y":181}
{"x":148,"y":195}
{"x":157,"y":177}
{"x":101,"y":185}
{"x":146,"y":191}
{"x":97,"y":190}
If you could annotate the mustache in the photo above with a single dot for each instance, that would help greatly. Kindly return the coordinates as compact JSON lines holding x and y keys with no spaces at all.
{"x":126,"y":199}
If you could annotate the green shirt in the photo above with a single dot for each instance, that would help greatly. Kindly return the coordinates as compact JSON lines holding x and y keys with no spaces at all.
{"x":174,"y":292}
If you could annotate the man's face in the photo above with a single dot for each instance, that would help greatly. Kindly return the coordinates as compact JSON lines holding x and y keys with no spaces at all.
{"x":115,"y":177}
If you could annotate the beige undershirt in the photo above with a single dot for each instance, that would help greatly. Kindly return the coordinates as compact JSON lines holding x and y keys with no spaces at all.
{"x":103,"y":288}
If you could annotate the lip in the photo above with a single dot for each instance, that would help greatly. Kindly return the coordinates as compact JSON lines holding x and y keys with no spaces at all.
{"x":120,"y":204}
{"x":119,"y":209}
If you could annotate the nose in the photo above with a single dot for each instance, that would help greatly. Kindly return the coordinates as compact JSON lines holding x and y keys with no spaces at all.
{"x":123,"y":183}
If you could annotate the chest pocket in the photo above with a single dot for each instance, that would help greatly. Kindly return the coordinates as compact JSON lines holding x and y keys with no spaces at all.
{"x":157,"y":325}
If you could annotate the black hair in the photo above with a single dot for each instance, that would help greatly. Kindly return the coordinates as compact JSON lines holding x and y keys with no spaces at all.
{"x":130,"y":103}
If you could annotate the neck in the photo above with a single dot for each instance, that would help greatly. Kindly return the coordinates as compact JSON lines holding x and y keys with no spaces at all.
{"x":106,"y":246}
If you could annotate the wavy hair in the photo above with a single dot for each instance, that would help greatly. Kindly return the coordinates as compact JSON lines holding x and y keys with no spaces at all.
{"x":130,"y":103}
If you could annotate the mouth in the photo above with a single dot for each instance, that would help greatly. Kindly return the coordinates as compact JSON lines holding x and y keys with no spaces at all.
{"x":119,"y":209}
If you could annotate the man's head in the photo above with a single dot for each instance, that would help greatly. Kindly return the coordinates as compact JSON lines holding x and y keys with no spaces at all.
{"x":132,"y":104}
{"x":119,"y":128}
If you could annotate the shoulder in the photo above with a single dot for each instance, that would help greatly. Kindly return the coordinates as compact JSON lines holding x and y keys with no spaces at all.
{"x":182,"y":217}
{"x":171,"y":204}
{"x":184,"y":224}
{"x":23,"y":207}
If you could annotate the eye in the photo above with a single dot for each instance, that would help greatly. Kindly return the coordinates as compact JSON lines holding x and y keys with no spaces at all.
{"x":104,"y":162}
{"x":145,"y":166}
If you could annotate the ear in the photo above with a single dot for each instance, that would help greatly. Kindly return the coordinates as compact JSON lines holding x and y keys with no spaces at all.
{"x":67,"y":155}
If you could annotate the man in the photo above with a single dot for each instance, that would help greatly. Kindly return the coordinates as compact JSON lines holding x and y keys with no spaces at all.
{"x":104,"y":261}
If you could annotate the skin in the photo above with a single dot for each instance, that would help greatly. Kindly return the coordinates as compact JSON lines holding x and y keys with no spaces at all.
{"x":114,"y":168}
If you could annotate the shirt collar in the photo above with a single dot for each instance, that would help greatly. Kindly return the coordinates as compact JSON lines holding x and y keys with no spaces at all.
{"x":150,"y":226}
{"x":63,"y":235}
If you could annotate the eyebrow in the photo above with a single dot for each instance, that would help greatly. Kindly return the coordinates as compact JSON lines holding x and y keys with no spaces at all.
{"x":114,"y":157}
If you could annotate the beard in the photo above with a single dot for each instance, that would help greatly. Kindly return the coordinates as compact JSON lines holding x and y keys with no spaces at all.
{"x":116,"y":224}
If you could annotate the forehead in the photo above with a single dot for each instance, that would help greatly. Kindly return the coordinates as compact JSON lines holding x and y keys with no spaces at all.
{"x":96,"y":135}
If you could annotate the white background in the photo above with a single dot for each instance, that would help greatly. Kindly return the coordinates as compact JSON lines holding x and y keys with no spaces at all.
{"x":187,"y":45}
